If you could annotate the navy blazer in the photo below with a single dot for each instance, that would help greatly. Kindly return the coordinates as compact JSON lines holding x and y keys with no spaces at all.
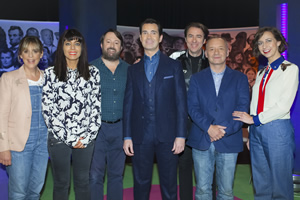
{"x":206,"y":108}
{"x":170,"y":101}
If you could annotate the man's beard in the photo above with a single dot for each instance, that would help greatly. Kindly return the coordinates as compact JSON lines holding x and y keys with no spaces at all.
{"x":112,"y":57}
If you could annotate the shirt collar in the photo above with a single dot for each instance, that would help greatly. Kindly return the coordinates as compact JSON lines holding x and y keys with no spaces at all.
{"x":274,"y":65}
{"x":214,"y":73}
{"x":154,"y":57}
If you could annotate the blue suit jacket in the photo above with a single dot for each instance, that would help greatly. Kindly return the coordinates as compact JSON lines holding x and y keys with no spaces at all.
{"x":170,"y":102}
{"x":206,"y":108}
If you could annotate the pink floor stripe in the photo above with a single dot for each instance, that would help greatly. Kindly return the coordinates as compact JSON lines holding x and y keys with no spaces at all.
{"x":154,"y":193}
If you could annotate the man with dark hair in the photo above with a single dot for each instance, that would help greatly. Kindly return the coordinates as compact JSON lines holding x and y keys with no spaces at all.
{"x":108,"y":153}
{"x":215,"y":137}
{"x":155,"y":115}
{"x":193,"y":60}
{"x":15,"y":34}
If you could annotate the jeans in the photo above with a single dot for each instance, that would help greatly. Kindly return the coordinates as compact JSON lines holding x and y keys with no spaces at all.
{"x":204,"y":162}
{"x":272,"y":160}
{"x":108,"y":155}
{"x":60,"y":155}
{"x":28,"y":169}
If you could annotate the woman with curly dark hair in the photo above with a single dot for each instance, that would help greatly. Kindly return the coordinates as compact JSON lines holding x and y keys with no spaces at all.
{"x":271,"y":133}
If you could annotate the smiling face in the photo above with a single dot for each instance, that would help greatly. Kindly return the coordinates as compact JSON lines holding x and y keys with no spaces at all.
{"x":31,"y":56}
{"x":194,"y":41}
{"x":72,"y":50}
{"x":216,"y":53}
{"x":150,"y":38}
{"x":111,"y":47}
{"x":268,"y":46}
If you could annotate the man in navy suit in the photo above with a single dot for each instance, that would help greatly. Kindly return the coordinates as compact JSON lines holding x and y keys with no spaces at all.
{"x":154,"y":115}
{"x":216,"y":138}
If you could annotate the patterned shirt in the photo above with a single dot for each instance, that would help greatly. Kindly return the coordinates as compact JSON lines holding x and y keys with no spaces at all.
{"x":112,"y":89}
{"x":72,"y":108}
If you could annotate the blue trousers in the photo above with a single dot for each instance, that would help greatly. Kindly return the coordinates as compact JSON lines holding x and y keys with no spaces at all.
{"x":108,"y":155}
{"x":271,"y":149}
{"x":204,"y":162}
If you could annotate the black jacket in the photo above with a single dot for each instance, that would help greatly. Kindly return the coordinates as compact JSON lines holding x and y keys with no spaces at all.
{"x":187,"y":65}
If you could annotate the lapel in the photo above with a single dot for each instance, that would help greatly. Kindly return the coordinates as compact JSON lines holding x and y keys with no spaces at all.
{"x":225,"y":81}
{"x":210,"y":83}
{"x":140,"y":75}
{"x":161,"y":71}
{"x":22,"y":85}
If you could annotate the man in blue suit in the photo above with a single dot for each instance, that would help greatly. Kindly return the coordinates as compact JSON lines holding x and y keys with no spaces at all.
{"x":154,"y":115}
{"x":215,"y":137}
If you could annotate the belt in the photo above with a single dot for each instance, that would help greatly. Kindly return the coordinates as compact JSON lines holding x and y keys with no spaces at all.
{"x":110,"y":122}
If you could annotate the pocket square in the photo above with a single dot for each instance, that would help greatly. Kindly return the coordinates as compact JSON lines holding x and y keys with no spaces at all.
{"x":167,"y":77}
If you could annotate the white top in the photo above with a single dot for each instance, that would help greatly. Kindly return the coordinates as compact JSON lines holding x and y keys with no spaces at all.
{"x":39,"y":82}
{"x":279,"y":95}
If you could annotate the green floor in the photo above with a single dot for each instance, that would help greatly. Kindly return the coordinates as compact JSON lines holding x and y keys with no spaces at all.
{"x":242,"y":188}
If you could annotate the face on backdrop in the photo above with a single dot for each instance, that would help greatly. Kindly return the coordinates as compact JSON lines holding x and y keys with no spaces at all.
{"x":239,"y":58}
{"x":128,"y":41}
{"x":6,"y":60}
{"x":251,"y":75}
{"x":179,"y":45}
{"x":47,"y":37}
{"x":14,"y":37}
{"x":111,"y":47}
{"x":250,"y":40}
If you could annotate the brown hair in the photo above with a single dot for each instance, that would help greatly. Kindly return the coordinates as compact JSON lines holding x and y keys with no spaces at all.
{"x":197,"y":25}
{"x":277,"y":35}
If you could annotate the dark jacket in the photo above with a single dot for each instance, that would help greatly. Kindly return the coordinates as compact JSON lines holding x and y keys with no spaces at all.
{"x":187,"y":66}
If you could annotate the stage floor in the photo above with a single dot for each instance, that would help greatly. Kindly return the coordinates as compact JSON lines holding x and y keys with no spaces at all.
{"x":242,"y":187}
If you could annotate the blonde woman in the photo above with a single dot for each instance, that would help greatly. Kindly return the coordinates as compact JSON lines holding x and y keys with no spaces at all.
{"x":23,"y":132}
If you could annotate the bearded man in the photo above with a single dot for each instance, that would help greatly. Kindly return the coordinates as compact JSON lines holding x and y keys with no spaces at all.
{"x":108,"y":154}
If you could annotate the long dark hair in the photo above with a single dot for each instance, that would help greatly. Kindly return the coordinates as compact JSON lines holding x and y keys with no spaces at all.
{"x":60,"y":66}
